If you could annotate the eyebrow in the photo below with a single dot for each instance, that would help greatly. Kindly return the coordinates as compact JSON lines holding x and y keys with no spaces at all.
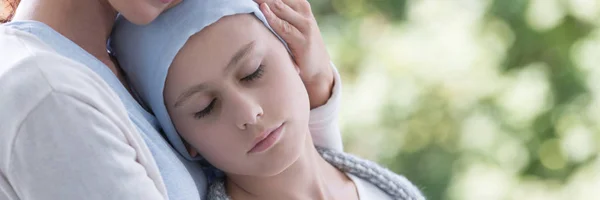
{"x":240,"y":54}
{"x":188,"y":93}
{"x":237,"y":57}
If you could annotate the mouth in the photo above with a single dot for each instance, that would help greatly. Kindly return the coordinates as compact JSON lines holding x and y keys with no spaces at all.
{"x":267,"y":139}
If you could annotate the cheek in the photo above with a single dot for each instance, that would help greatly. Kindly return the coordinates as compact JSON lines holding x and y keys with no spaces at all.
{"x":211,"y":140}
{"x":290,"y":93}
{"x":220,"y":145}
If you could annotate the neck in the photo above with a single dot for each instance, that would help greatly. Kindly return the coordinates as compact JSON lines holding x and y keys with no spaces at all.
{"x":88,"y":23}
{"x":309,"y":177}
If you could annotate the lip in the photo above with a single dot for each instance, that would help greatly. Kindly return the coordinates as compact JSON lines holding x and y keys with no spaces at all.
{"x":267,"y":139}
{"x":166,"y":1}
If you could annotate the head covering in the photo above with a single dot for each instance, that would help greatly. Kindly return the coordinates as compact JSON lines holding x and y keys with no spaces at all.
{"x":145,"y":52}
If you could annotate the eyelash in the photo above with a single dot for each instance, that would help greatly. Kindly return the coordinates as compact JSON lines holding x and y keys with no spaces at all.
{"x":206,"y":111}
{"x":256,"y":75}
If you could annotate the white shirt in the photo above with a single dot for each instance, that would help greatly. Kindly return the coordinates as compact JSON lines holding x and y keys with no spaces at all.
{"x":64,"y":134}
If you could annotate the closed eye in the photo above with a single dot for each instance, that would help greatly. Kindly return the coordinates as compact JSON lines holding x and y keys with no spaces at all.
{"x":255,"y":75}
{"x":206,"y":111}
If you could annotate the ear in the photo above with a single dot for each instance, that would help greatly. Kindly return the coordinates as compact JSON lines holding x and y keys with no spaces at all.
{"x":191,"y":150}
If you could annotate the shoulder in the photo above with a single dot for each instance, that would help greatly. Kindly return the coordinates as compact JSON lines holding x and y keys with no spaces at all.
{"x":31,"y":71}
{"x":393,"y":184}
{"x":30,"y":62}
{"x":37,"y":81}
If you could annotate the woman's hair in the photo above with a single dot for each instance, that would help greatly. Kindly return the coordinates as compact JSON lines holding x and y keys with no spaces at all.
{"x":8,"y":11}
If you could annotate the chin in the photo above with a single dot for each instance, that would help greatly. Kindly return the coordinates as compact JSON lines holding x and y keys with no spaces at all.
{"x":141,"y":19}
{"x":142,"y":16}
{"x":281,"y":156}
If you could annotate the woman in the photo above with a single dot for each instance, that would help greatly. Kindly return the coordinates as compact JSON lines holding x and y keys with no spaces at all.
{"x":71,"y":128}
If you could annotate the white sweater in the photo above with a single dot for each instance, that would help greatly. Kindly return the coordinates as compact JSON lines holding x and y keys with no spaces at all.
{"x":57,"y":119}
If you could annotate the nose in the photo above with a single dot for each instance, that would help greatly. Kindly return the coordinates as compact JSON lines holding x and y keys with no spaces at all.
{"x":247,"y":111}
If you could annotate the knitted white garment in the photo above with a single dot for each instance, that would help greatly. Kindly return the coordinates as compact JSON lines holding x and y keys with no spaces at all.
{"x":397,"y":186}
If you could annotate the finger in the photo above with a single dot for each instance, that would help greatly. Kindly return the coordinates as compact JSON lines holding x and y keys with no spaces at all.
{"x":288,"y":33}
{"x":301,"y":6}
{"x":284,"y":12}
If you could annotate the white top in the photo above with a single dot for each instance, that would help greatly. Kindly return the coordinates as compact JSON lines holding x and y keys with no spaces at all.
{"x":60,"y":123}
{"x":368,"y":191}
{"x":66,"y":134}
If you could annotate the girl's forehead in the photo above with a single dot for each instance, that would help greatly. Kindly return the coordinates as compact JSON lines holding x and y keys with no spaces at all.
{"x":233,"y":28}
{"x":225,"y":40}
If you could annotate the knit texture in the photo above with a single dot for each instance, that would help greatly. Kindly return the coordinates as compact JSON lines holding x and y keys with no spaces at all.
{"x":396,"y":186}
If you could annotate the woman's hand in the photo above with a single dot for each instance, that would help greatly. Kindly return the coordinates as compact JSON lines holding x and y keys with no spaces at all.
{"x":293,"y":20}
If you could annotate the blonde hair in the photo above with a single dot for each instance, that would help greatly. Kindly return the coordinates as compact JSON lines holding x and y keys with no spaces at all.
{"x":8,"y":10}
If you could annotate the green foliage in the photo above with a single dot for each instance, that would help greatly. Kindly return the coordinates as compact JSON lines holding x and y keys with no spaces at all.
{"x":519,"y":102}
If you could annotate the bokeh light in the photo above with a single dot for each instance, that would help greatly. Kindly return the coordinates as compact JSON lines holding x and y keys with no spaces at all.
{"x":472,"y":99}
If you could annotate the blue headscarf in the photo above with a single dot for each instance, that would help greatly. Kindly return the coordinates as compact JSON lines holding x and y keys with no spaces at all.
{"x":146,"y":52}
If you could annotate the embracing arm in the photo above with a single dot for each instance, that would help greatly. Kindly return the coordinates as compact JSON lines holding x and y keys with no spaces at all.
{"x":74,"y":142}
{"x":323,"y":122}
{"x":67,"y":149}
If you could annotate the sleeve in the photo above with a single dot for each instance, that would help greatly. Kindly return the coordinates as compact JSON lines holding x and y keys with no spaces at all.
{"x":68,"y":148}
{"x":323,"y":122}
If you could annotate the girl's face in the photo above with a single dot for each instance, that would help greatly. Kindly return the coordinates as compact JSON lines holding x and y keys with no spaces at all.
{"x":230,"y":86}
{"x":142,"y":11}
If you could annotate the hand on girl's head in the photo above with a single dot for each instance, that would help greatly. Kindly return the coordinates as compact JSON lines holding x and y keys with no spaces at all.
{"x":294,"y":22}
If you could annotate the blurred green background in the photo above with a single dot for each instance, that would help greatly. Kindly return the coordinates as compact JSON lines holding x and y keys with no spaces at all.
{"x":472,"y":99}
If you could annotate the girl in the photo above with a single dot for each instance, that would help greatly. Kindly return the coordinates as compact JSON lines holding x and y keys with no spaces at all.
{"x":226,"y":90}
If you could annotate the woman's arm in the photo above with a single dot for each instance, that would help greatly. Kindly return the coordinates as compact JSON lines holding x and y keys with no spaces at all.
{"x":67,"y":149}
{"x":66,"y":135}
{"x":323,"y":122}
